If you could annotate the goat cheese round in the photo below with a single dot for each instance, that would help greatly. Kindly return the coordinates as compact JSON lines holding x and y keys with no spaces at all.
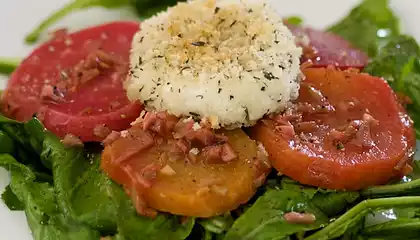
{"x":228,"y":61}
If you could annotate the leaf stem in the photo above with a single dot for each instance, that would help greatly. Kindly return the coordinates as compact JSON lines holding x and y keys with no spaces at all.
{"x":339,"y":226}
{"x":33,"y":36}
{"x":8,"y":65}
{"x":391,"y":190}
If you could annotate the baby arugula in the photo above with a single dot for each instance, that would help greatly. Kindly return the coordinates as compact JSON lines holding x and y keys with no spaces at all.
{"x":66,"y":196}
{"x":374,"y":28}
{"x":40,"y":204}
{"x":398,"y":63}
{"x":264,"y":220}
{"x":8,"y":65}
{"x":369,"y":26}
{"x":80,"y":202}
{"x":144,"y":9}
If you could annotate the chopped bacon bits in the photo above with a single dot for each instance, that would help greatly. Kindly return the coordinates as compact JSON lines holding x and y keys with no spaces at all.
{"x":51,"y":93}
{"x":183,"y":127}
{"x":262,"y":158}
{"x":148,"y":121}
{"x":287,"y":131}
{"x":183,"y":146}
{"x":228,"y":153}
{"x":144,"y":177}
{"x":101,"y":131}
{"x":219,"y":153}
{"x":160,"y":123}
{"x":212,"y":154}
{"x":88,"y":75}
{"x":143,"y":141}
{"x":357,"y":132}
{"x":88,"y":69}
{"x":404,"y":100}
{"x":112,"y":137}
{"x":299,"y":218}
{"x":125,"y":133}
{"x":305,"y":127}
{"x":71,"y":141}
{"x":59,"y":34}
{"x":205,"y":137}
{"x":149,"y":172}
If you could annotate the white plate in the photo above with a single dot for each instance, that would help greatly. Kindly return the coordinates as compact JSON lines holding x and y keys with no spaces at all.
{"x":20,"y":16}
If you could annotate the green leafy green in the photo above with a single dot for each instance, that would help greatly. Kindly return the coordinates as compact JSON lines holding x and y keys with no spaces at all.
{"x":393,"y":190}
{"x":294,"y":20}
{"x":11,"y":200}
{"x":335,"y":202}
{"x":405,"y":227}
{"x":415,"y":174}
{"x":393,"y":57}
{"x":399,"y":63}
{"x":7,"y":144}
{"x":38,"y":199}
{"x":147,"y":8}
{"x":264,"y":220}
{"x":290,"y":184}
{"x":27,"y":139}
{"x":78,"y":193}
{"x":330,"y":202}
{"x":393,"y":222}
{"x":409,"y":85}
{"x":368,"y":26}
{"x":8,"y":65}
{"x":90,"y":197}
{"x":144,"y":8}
{"x":352,"y":217}
{"x":69,"y":8}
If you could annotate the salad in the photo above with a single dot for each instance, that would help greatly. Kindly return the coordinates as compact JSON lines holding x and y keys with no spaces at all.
{"x":215,"y":120}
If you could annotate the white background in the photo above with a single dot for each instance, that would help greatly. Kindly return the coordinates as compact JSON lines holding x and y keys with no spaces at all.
{"x":18,"y":17}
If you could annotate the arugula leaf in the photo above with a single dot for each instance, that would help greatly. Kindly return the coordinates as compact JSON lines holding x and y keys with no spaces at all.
{"x":335,"y":202}
{"x":7,"y":145}
{"x":294,"y":20}
{"x":80,"y":193}
{"x":85,"y":193}
{"x":8,"y":65}
{"x":393,"y":222}
{"x":393,"y":58}
{"x":330,"y":202}
{"x":264,"y":220}
{"x":368,"y":26}
{"x":404,"y":227}
{"x":399,"y":63}
{"x":144,"y":8}
{"x":38,"y":199}
{"x":352,"y":217}
{"x":11,"y":201}
{"x":415,"y":174}
{"x":147,"y":8}
{"x":27,"y":138}
{"x":409,"y":84}
{"x":69,"y":8}
{"x":392,"y":190}
{"x":4,"y":120}
{"x":290,"y":184}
